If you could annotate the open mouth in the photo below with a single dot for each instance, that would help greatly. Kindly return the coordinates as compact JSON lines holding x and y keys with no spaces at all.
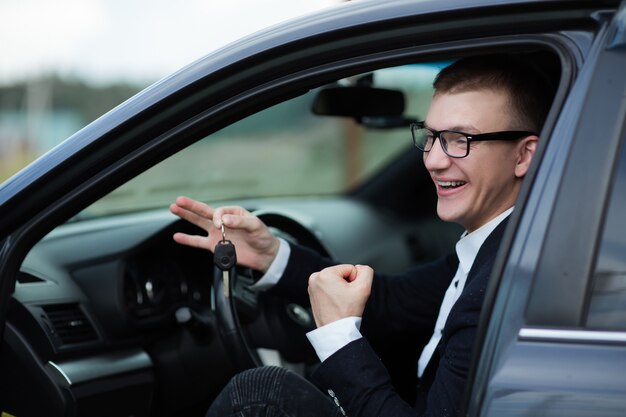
{"x":448,"y":185}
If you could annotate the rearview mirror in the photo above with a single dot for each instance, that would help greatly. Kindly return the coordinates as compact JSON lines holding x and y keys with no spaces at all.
{"x":358,"y":102}
{"x":373,"y":107}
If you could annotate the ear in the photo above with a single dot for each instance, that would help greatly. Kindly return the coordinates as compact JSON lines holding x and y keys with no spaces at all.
{"x":525,"y":152}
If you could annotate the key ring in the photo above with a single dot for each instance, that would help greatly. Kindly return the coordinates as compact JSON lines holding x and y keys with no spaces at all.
{"x":223,"y":232}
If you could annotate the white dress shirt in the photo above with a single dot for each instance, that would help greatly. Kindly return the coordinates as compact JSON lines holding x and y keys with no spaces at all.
{"x":328,"y":339}
{"x":276,"y":269}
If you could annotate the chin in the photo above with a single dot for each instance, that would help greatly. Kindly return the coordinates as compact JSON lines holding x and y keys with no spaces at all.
{"x":447,"y":216}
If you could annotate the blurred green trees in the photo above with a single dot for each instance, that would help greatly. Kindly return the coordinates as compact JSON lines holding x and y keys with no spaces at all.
{"x":37,"y":114}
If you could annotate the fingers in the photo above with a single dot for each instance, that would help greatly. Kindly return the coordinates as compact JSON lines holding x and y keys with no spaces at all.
{"x":206,"y":217}
{"x":210,"y":220}
{"x":347,"y":272}
{"x":193,"y":211}
{"x":358,"y":278}
{"x":193,"y":240}
{"x":234,"y":217}
{"x":364,"y":273}
{"x":195,"y":206}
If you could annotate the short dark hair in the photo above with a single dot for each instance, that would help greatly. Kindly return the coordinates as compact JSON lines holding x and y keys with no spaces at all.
{"x":529,"y":90}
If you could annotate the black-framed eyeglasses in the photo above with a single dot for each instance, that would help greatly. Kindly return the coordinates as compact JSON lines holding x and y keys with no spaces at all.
{"x":457,"y":144}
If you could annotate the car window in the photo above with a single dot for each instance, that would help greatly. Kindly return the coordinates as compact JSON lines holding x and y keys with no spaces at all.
{"x":607,"y":306}
{"x":285,"y":150}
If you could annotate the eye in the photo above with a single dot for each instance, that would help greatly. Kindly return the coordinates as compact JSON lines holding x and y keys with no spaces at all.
{"x":456,"y":140}
{"x":460,"y":142}
{"x":427,"y":138}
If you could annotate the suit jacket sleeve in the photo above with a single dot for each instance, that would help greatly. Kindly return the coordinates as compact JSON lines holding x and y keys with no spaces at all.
{"x":295,"y":280}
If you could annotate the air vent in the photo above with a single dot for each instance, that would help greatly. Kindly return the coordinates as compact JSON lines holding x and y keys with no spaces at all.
{"x":70,"y":323}
{"x":24,"y":278}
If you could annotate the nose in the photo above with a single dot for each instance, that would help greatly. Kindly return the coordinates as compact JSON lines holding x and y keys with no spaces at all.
{"x":436,"y":159}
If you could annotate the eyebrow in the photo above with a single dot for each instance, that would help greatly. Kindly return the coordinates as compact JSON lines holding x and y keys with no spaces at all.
{"x":460,"y":128}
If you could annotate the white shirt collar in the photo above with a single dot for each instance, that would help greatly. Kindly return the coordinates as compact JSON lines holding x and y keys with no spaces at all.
{"x":469,"y":244}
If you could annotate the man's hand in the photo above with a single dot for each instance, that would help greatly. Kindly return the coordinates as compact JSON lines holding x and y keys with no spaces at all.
{"x":339,"y":291}
{"x":256,"y":245}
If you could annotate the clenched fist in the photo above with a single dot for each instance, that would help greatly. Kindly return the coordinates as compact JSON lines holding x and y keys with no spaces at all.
{"x":339,"y":291}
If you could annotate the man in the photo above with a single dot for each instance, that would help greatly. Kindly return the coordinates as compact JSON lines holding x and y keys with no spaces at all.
{"x":478,"y":139}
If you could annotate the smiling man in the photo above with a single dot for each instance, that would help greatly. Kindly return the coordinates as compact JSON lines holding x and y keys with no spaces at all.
{"x":478,"y":141}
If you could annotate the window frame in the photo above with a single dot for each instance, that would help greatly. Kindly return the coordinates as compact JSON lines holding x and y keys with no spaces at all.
{"x":568,"y":255}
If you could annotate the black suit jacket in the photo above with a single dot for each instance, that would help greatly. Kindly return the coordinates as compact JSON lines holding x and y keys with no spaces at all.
{"x":406,"y":304}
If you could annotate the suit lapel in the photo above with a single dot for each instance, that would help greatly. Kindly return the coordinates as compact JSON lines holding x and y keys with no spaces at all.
{"x":487,"y":252}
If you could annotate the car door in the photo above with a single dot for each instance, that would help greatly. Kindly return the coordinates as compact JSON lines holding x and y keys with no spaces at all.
{"x":556,"y":338}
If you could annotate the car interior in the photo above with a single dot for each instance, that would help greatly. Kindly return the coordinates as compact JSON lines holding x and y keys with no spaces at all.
{"x":111,"y":317}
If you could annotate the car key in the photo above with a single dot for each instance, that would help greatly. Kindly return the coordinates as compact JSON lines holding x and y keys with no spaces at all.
{"x":225,"y":258}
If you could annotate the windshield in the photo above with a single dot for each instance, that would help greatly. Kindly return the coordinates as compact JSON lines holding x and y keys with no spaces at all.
{"x":284,"y":150}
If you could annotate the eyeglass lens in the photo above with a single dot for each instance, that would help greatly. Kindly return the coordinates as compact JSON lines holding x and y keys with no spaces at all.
{"x":454,"y":144}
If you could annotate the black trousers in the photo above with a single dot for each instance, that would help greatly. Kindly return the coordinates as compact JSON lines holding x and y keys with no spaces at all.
{"x":272,"y":392}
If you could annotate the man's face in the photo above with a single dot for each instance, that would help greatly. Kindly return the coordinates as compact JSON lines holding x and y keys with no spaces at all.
{"x":475,"y":189}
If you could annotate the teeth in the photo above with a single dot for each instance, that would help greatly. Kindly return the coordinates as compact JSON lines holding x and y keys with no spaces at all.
{"x":450,"y":184}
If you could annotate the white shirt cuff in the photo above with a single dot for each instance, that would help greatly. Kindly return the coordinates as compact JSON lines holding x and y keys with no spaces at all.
{"x":328,"y":339}
{"x":276,"y":269}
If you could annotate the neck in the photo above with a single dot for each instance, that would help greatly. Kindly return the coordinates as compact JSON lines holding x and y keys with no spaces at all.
{"x":499,"y":216}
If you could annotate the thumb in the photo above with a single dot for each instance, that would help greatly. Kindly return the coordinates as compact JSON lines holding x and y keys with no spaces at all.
{"x":348,"y":272}
{"x":363,"y":273}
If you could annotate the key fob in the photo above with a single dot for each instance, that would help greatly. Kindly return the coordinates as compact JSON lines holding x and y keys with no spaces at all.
{"x":224,"y":255}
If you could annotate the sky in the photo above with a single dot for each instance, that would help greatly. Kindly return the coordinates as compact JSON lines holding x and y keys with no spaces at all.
{"x":137,"y":41}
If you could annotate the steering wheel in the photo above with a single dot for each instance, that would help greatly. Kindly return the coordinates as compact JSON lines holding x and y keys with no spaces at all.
{"x":247,"y":319}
